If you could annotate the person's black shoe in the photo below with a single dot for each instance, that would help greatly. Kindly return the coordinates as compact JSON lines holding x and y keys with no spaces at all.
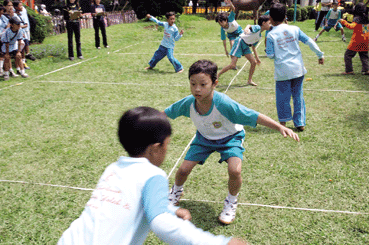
{"x":31,"y":57}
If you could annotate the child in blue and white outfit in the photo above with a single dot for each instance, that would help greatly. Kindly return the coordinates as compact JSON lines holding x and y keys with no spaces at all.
{"x":219,"y":121}
{"x":228,"y":25}
{"x":333,"y":15}
{"x":282,"y":45}
{"x":131,"y":197}
{"x":166,"y":48}
{"x":3,"y":26}
{"x":242,"y":44}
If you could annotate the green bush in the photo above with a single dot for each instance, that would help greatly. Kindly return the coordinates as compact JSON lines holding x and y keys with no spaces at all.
{"x":290,"y":13}
{"x":304,"y":13}
{"x":48,"y":50}
{"x":43,"y":27}
{"x":309,"y":9}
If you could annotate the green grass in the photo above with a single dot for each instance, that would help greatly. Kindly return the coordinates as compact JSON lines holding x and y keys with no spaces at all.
{"x":60,"y":129}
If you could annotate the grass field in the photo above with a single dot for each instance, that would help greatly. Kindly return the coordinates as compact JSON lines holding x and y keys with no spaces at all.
{"x":58,"y":127}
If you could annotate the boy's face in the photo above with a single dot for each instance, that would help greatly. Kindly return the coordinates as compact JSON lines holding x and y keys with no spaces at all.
{"x":335,"y":6}
{"x":171,"y":20}
{"x":97,"y":2}
{"x":266,"y":25}
{"x":161,"y":152}
{"x":223,"y":24}
{"x":19,"y":7}
{"x":202,"y":87}
{"x":15,"y":27}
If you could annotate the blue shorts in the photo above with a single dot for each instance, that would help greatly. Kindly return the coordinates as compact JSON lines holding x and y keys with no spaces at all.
{"x":201,"y":148}
{"x":328,"y":28}
{"x":240,"y":48}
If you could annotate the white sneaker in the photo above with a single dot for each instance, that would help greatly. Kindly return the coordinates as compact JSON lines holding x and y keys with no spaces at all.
{"x":344,"y":39}
{"x":175,"y":196}
{"x":25,"y":75}
{"x":229,"y":212}
{"x":12,"y":74}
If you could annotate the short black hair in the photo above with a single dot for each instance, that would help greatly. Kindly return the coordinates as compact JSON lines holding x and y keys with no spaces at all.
{"x":142,"y":126}
{"x":223,"y":16}
{"x":278,"y":12}
{"x":16,"y":4}
{"x":206,"y":67}
{"x":168,"y":14}
{"x":262,"y":19}
{"x":6,"y":2}
{"x":360,"y":14}
{"x":2,"y":8}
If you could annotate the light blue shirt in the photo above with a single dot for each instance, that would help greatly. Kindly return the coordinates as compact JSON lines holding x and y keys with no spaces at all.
{"x":225,"y":117}
{"x":12,"y":38}
{"x":282,"y":45}
{"x":171,"y":34}
{"x":24,"y":18}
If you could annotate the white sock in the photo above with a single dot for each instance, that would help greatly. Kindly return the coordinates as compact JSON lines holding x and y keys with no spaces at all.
{"x":18,"y":69}
{"x":177,"y":188}
{"x":24,"y":61}
{"x":22,"y":72}
{"x":1,"y":65}
{"x":6,"y":73}
{"x":232,"y":198}
{"x":11,"y":69}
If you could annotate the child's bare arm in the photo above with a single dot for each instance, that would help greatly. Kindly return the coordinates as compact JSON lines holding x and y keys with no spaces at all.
{"x":258,"y":61}
{"x":229,"y":2}
{"x":148,"y":16}
{"x":270,"y":123}
{"x":225,"y":47}
{"x":183,"y":214}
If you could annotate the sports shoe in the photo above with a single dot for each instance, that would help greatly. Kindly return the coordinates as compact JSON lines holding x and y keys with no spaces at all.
{"x":31,"y":57}
{"x":71,"y":58}
{"x":344,"y":39}
{"x":175,"y":196}
{"x":107,"y":46}
{"x":12,"y":74}
{"x":98,"y":47}
{"x":24,"y":75}
{"x":6,"y":77}
{"x":80,"y":57}
{"x":300,"y":128}
{"x":26,"y":66}
{"x":229,"y":212}
{"x":315,"y":39}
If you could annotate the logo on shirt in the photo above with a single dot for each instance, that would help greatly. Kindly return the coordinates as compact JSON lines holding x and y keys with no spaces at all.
{"x":285,"y":33}
{"x":217,"y":124}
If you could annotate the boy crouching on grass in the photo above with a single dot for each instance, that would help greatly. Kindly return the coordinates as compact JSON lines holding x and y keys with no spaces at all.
{"x":132,"y":194}
{"x":219,"y":121}
{"x":242,"y":44}
{"x":12,"y":45}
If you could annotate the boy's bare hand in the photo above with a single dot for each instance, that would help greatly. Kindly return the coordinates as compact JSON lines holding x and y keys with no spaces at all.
{"x":148,"y":16}
{"x":183,"y":214}
{"x":321,"y":61}
{"x":181,"y":33}
{"x":288,"y":132}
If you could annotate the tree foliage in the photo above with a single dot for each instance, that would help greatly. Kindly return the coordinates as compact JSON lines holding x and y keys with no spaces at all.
{"x":156,"y":7}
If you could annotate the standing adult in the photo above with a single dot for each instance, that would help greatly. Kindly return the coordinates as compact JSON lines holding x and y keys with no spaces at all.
{"x":73,"y":26}
{"x":326,"y":4}
{"x":98,"y":12}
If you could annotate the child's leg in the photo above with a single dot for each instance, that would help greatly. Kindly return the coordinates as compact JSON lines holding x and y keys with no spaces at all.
{"x":176,"y":64}
{"x":158,"y":56}
{"x":364,"y":61}
{"x":317,"y":36}
{"x":18,"y":61}
{"x":234,"y":173}
{"x":299,"y":109}
{"x":283,"y":98}
{"x":349,"y":54}
{"x":183,"y":172}
{"x":252,"y":61}
{"x":233,"y":64}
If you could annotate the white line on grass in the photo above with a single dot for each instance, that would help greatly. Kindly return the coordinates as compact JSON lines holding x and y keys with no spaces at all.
{"x":243,"y":204}
{"x":127,"y":47}
{"x":11,"y":86}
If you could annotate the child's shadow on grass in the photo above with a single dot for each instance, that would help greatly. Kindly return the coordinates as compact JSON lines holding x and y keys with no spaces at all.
{"x":203,"y":215}
{"x":361,"y":81}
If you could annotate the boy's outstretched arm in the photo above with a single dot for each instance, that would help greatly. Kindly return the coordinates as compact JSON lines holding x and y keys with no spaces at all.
{"x":270,"y":123}
{"x":312,"y":45}
{"x":230,"y":4}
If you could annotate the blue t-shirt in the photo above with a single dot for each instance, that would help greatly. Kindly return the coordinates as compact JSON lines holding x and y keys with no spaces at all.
{"x":12,"y":38}
{"x":171,"y":34}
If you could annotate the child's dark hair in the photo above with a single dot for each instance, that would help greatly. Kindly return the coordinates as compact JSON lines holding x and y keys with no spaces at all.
{"x":206,"y":67}
{"x":278,"y":12}
{"x":2,"y":8}
{"x":6,"y":2}
{"x":262,"y":19}
{"x":223,"y":16}
{"x":168,"y":14}
{"x":16,"y":4}
{"x":360,"y":14}
{"x":140,"y":127}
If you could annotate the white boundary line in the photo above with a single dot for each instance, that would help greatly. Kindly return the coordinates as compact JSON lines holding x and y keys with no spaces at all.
{"x":243,"y":204}
{"x":127,"y":47}
{"x":11,"y":86}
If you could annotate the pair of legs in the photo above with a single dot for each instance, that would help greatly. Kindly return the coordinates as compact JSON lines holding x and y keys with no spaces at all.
{"x":74,"y":27}
{"x":321,"y":16}
{"x":284,"y":91}
{"x":160,"y":54}
{"x":349,"y":54}
{"x":99,"y":24}
{"x":327,"y":29}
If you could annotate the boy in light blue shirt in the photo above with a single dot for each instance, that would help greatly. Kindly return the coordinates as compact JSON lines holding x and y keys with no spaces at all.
{"x":219,"y":121}
{"x":166,"y":48}
{"x":229,"y":26}
{"x":282,"y":45}
{"x":131,"y":197}
{"x":242,"y":44}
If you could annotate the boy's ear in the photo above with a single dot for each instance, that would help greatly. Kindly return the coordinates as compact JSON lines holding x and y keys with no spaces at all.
{"x":215,"y":83}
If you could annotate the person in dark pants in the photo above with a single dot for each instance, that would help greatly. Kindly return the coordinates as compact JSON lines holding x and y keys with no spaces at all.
{"x":73,"y":26}
{"x":326,"y":4}
{"x":98,"y":12}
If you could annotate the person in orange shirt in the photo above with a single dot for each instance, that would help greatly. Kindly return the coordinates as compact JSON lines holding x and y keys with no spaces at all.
{"x":359,"y":40}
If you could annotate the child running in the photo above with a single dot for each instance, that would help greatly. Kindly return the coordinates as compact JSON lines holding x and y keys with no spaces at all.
{"x":132,"y":194}
{"x":219,"y":121}
{"x":166,"y":47}
{"x":359,"y":40}
{"x":283,"y":46}
{"x":334,"y":14}
{"x":242,"y":44}
{"x":228,"y":25}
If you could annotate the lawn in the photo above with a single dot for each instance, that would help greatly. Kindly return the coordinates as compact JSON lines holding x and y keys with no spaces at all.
{"x":58,"y":127}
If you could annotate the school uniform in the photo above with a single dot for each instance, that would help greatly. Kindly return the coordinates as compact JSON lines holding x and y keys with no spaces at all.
{"x":243,"y":43}
{"x":166,"y":48}
{"x":282,"y":45}
{"x":220,"y":129}
{"x":98,"y":23}
{"x":23,"y":16}
{"x":233,"y":30}
{"x":333,"y":16}
{"x":73,"y":26}
{"x":12,"y":39}
{"x":130,"y":199}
